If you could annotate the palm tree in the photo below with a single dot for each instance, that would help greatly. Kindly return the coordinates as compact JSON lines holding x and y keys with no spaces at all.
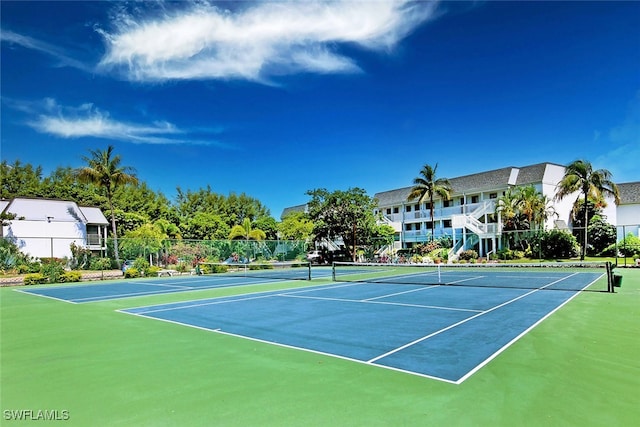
{"x":104,"y":170}
{"x":579,"y":176}
{"x":245,"y":231}
{"x":534,"y":205}
{"x":427,"y":186}
{"x":507,"y":207}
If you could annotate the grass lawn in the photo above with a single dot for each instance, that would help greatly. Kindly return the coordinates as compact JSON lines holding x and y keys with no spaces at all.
{"x":581,"y":366}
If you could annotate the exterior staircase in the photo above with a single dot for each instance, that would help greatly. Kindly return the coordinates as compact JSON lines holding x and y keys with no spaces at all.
{"x":472,"y":223}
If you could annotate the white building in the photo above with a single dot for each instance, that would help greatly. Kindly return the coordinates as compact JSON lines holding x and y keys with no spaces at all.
{"x":46,"y":228}
{"x":468,"y":217}
{"x":628,"y":212}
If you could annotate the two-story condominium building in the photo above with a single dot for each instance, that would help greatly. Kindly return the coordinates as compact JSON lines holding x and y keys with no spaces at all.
{"x":469,"y":217}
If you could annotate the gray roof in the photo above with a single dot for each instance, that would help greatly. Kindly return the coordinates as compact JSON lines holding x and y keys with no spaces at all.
{"x":94,"y":215}
{"x":299,"y":208}
{"x":474,"y":183}
{"x":629,"y":193}
{"x":38,"y":209}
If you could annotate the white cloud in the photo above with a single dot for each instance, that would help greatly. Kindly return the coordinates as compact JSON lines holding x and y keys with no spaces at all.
{"x":88,"y":121}
{"x":202,"y":41}
{"x":61,"y":56}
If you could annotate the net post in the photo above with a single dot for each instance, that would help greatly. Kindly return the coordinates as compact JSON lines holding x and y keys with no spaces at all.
{"x":309,"y":270}
{"x":333,"y":271}
{"x":609,"y":277}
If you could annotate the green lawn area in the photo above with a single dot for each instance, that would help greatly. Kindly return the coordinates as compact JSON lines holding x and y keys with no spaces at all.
{"x":581,"y":366}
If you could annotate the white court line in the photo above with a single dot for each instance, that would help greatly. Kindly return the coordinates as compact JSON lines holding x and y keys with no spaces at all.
{"x":412,"y":343}
{"x":426,"y":288}
{"x":526,"y":331}
{"x":44,"y":296}
{"x":202,"y":304}
{"x":288,"y":346}
{"x":360,"y":301}
{"x":162,"y":285}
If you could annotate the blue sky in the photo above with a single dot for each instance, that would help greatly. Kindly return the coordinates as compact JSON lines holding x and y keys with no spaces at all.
{"x":273,"y":99}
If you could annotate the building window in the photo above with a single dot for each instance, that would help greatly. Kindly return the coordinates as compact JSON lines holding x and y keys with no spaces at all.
{"x":416,"y":207}
{"x":462,"y":200}
{"x":407,"y":227}
{"x":447,"y":203}
{"x":407,"y":208}
{"x":446,"y":223}
{"x":493,"y":195}
{"x":475,"y":199}
{"x":396,"y":210}
{"x":418,"y":226}
{"x":388,"y":211}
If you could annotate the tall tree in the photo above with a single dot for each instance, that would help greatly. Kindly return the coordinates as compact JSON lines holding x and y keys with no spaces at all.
{"x":18,"y":180}
{"x":296,"y":226}
{"x":104,"y":170}
{"x":427,"y":186}
{"x":579,"y":177}
{"x":343,"y":214}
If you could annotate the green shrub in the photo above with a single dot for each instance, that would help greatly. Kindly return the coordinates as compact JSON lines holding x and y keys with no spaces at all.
{"x":216,"y":268}
{"x":35,"y":279}
{"x":141,"y":264}
{"x":181,"y":268}
{"x":468,"y":255}
{"x":100,"y":264}
{"x":556,"y":244}
{"x":70,"y":276}
{"x":627,"y":247}
{"x":600,"y":235}
{"x":152,"y":271}
{"x":260,"y":266}
{"x":131,"y":273}
{"x":52,"y":268}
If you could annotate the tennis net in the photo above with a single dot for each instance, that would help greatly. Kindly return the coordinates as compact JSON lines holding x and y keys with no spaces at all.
{"x":568,"y":276}
{"x":287,"y":270}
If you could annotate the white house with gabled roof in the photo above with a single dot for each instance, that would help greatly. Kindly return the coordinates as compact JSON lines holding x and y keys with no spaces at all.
{"x":46,"y":228}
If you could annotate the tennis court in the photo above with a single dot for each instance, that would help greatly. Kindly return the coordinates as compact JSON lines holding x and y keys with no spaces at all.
{"x":94,"y":292}
{"x":437,"y":331}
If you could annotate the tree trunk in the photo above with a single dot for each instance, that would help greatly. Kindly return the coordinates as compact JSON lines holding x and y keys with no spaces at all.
{"x":115,"y":234}
{"x":584,"y":246}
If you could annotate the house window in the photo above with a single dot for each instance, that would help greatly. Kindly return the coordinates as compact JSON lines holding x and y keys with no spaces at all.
{"x":407,"y":227}
{"x":493,"y":195}
{"x":427,"y":226}
{"x":388,"y":211}
{"x":396,"y":210}
{"x":475,"y":199}
{"x":447,"y":203}
{"x":427,"y":205}
{"x":462,"y":200}
{"x":416,"y":207}
{"x":417,"y":226}
{"x":407,"y":208}
{"x":446,"y":223}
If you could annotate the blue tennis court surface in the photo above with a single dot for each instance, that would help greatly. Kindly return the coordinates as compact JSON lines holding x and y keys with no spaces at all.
{"x":441,"y":332}
{"x":93,"y":292}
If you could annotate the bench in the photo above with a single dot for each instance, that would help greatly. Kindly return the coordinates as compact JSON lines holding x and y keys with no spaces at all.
{"x":167,"y":272}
